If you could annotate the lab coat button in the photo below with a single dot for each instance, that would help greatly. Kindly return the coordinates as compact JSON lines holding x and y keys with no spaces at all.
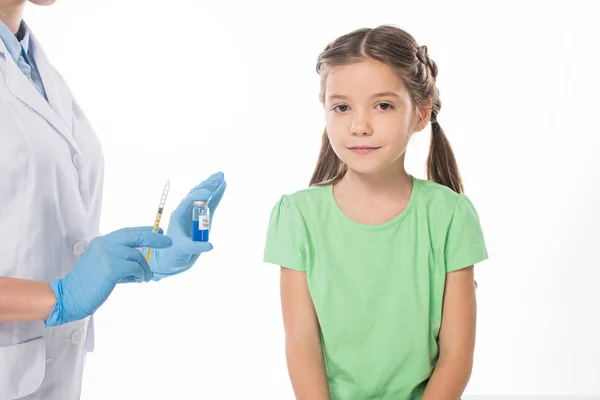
{"x":77,"y":162}
{"x":76,"y":336}
{"x":79,"y":248}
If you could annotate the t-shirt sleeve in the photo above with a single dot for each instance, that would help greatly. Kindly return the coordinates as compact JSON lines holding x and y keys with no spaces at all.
{"x":465,"y":244}
{"x":286,"y":237}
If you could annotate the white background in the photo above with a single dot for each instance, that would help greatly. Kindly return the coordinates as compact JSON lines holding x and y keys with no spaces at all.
{"x":181,"y":89}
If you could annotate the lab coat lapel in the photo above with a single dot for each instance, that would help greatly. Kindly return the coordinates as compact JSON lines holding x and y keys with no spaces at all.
{"x":58,"y":113}
{"x":58,"y":93}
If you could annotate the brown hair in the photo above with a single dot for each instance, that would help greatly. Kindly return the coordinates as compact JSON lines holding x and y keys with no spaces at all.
{"x":402,"y":53}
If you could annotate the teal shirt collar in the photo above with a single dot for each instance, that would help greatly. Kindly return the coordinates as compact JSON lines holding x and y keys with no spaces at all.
{"x":24,"y":30}
{"x":11,"y":42}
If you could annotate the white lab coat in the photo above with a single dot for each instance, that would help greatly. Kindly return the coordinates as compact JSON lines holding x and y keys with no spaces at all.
{"x":50,"y":198}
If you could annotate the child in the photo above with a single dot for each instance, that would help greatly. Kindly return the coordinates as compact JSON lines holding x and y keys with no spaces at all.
{"x":377,"y":284}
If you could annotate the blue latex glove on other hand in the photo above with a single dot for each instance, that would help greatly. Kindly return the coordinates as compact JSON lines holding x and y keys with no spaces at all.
{"x":184,"y":252}
{"x":108,"y":261}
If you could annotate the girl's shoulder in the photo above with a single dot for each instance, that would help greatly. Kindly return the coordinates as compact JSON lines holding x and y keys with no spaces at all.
{"x":437,"y":190}
{"x":440,"y":200}
{"x":308,"y":201}
{"x":440,"y":195}
{"x":308,"y":196}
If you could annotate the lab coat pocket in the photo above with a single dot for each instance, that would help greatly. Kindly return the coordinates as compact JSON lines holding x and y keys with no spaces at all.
{"x":22,"y":368}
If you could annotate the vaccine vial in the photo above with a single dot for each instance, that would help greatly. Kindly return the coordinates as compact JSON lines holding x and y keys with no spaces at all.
{"x":200,"y":221}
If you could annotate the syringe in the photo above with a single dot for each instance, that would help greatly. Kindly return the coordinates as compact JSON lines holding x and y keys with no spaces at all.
{"x":161,"y":207}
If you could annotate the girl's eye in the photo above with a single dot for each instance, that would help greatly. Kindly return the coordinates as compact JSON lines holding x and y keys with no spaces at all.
{"x":341,"y":108}
{"x":385,"y":106}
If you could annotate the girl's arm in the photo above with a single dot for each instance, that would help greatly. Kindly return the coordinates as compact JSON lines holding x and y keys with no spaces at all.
{"x":302,"y":338}
{"x":457,"y":338}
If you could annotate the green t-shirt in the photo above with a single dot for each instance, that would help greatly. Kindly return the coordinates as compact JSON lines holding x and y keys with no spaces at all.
{"x":377,"y":289}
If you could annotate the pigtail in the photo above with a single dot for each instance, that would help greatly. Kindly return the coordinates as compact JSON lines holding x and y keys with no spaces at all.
{"x":329,"y":167}
{"x":441,"y":164}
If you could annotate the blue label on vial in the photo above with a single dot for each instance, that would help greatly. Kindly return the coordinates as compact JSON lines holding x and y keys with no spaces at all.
{"x":200,"y":229}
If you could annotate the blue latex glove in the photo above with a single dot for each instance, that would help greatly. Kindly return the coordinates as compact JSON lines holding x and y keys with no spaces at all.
{"x":108,"y":260}
{"x":184,"y":252}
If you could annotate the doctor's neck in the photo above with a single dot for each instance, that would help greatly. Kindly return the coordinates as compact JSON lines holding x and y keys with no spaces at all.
{"x":11,"y":13}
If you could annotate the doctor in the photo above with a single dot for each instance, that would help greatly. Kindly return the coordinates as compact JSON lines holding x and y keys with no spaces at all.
{"x":55,"y":269}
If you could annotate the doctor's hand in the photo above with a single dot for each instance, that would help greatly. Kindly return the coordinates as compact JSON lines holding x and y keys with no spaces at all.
{"x":184,"y":252}
{"x":108,"y":260}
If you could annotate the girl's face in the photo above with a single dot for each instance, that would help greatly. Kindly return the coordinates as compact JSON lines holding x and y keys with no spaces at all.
{"x":369,"y":116}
